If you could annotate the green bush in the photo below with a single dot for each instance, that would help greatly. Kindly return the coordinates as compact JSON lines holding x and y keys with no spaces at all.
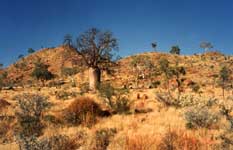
{"x":122,"y":106}
{"x":58,"y":142}
{"x":65,"y":71}
{"x":155,"y":84}
{"x":200,"y":118}
{"x":114,"y":98}
{"x":195,"y":87}
{"x":41,"y":72}
{"x":64,"y":95}
{"x":103,"y":137}
{"x":29,"y":114}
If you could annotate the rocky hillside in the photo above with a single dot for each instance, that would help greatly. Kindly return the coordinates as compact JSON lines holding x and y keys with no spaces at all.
{"x":56,"y":58}
{"x":138,"y":71}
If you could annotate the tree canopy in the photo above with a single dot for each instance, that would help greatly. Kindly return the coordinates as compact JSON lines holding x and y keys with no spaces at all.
{"x":96,"y":47}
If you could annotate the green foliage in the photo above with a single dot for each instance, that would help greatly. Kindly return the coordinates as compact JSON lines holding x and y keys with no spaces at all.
{"x":21,"y":56}
{"x":154,"y":45}
{"x":30,"y":50}
{"x":56,"y":83}
{"x":58,"y":142}
{"x":185,"y":100}
{"x":175,"y":50}
{"x":41,"y":72}
{"x":29,"y":114}
{"x":64,"y":95}
{"x":200,"y":118}
{"x":206,"y":45}
{"x":224,"y":74}
{"x":65,"y":71}
{"x":195,"y":87}
{"x":3,"y":76}
{"x":103,"y":137}
{"x":67,"y":40}
{"x":164,"y":66}
{"x":122,"y":106}
{"x":155,"y":84}
{"x":1,"y":65}
{"x":224,"y":77}
{"x":114,"y":98}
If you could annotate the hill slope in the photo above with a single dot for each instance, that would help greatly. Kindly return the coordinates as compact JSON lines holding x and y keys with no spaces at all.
{"x":201,"y":69}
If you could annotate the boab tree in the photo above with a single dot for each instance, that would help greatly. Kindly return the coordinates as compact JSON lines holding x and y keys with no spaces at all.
{"x":96,"y":48}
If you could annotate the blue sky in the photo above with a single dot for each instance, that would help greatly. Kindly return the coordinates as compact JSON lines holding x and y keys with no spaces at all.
{"x":136,"y":23}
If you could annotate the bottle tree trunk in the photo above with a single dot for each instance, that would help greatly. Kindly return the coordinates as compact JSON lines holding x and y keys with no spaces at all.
{"x":94,"y":78}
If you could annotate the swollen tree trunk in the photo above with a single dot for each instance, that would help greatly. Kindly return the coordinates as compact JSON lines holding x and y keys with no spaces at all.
{"x":94,"y":78}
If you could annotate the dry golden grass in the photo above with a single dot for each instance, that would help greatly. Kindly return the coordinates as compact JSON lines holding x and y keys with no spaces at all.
{"x":144,"y":131}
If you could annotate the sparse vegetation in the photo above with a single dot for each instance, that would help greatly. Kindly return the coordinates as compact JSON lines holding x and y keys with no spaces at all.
{"x":200,"y":118}
{"x":224,"y":77}
{"x":83,"y":111}
{"x":65,"y":71}
{"x":175,"y":50}
{"x":103,"y":137}
{"x":185,"y":95}
{"x":41,"y":72}
{"x":29,"y":114}
{"x":115,"y":99}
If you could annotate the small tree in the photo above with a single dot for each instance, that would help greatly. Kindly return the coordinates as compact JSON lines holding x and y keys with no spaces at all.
{"x":96,"y":48}
{"x":1,"y":66}
{"x":224,"y":77}
{"x":206,"y":46}
{"x":154,"y":45}
{"x":166,"y":70}
{"x":20,"y":56}
{"x":68,"y":40}
{"x":30,"y":50}
{"x":178,"y":72}
{"x":175,"y":50}
{"x":141,"y":65}
{"x":41,"y":72}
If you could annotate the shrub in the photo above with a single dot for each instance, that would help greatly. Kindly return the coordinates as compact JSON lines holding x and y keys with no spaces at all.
{"x":195,"y":87}
{"x":155,"y":84}
{"x":82,"y":111}
{"x":6,"y":128}
{"x":64,"y":95}
{"x":200,"y":118}
{"x":173,"y":140}
{"x":58,"y":142}
{"x":185,"y":100}
{"x":118,"y":105}
{"x":41,"y":72}
{"x":102,"y":138}
{"x":122,"y":106}
{"x":52,"y":119}
{"x":226,"y":140}
{"x":58,"y":83}
{"x":175,"y":50}
{"x":65,"y":71}
{"x":29,"y":114}
{"x":84,"y":88}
